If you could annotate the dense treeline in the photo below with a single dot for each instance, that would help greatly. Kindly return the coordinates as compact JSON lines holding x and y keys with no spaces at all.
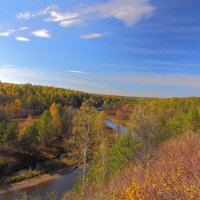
{"x":161,"y":120}
{"x":166,"y":105}
{"x":19,"y":100}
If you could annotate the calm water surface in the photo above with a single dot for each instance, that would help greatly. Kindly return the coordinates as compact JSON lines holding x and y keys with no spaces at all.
{"x":112,"y":125}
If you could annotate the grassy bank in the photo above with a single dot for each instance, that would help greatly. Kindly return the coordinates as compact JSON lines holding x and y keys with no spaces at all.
{"x":33,"y":178}
{"x":51,"y":167}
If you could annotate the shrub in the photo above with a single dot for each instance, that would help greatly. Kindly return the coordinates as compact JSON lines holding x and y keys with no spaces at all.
{"x":174,"y":173}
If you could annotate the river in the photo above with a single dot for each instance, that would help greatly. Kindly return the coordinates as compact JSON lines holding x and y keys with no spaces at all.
{"x":112,"y":125}
{"x":60,"y":185}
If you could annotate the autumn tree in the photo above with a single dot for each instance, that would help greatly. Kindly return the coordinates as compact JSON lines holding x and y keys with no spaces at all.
{"x":56,"y":113}
{"x":29,"y":138}
{"x":144,"y":124}
{"x":11,"y":133}
{"x":102,"y":143}
{"x":46,"y":134}
{"x":68,"y":114}
{"x":121,"y":152}
{"x":15,"y":108}
{"x":32,"y":103}
{"x":82,"y":138}
{"x":178,"y":123}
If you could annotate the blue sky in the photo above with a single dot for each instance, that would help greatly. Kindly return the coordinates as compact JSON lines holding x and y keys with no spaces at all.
{"x":123,"y":47}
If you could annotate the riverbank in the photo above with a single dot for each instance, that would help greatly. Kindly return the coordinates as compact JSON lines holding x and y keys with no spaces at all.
{"x":36,"y":181}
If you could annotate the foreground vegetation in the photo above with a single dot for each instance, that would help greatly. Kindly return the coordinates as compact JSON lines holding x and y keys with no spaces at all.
{"x":172,"y":172}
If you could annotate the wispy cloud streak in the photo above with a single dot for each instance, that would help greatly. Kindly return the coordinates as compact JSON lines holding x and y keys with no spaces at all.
{"x":93,"y":35}
{"x":76,"y":72}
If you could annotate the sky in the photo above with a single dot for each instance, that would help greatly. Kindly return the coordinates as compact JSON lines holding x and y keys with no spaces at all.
{"x":148,"y":48}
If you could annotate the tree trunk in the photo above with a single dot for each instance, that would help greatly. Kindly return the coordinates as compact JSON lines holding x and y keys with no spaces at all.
{"x":84,"y":168}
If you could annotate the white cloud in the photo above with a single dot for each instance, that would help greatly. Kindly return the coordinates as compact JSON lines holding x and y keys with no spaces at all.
{"x":23,"y":28}
{"x":128,"y":11}
{"x":24,"y":15}
{"x":77,"y":72}
{"x":4,"y":34}
{"x":7,"y":33}
{"x":22,"y":39}
{"x":69,"y":23}
{"x":28,"y":15}
{"x":55,"y":16}
{"x":93,"y":35}
{"x":43,"y":33}
{"x":67,"y":19}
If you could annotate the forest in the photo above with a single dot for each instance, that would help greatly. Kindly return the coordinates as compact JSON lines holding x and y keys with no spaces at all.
{"x":36,"y":121}
{"x":156,"y":158}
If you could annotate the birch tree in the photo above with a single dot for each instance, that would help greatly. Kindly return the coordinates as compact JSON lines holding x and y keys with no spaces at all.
{"x":83,"y":137}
